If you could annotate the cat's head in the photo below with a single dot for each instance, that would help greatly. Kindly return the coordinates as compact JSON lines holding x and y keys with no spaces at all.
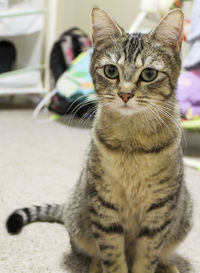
{"x":132,"y":72}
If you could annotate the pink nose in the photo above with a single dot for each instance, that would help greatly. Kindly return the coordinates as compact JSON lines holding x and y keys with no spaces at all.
{"x":125,"y":96}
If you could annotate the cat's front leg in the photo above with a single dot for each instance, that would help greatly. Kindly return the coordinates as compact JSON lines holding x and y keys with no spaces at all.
{"x":108,"y":234}
{"x":149,"y":245}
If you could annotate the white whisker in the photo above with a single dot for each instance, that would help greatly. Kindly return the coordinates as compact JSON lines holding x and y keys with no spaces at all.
{"x":78,"y":107}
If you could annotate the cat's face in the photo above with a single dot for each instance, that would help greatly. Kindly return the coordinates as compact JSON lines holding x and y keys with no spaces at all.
{"x":133,"y":72}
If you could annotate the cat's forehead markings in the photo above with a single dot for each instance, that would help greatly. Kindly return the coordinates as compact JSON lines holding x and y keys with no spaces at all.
{"x":158,"y":65}
{"x":138,"y":62}
{"x":105,"y":61}
{"x":121,"y":59}
{"x":112,"y":58}
{"x":149,"y":61}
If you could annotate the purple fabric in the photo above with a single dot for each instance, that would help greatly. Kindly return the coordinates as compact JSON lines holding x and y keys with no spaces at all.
{"x":188,"y":92}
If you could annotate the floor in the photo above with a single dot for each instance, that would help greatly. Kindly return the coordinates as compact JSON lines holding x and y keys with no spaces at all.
{"x":39,"y":163}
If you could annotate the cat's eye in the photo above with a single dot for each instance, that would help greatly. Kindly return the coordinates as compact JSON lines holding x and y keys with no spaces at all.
{"x":111,"y":71}
{"x":148,"y":74}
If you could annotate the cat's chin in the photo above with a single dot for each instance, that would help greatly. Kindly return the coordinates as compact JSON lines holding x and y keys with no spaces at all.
{"x":127,"y":110}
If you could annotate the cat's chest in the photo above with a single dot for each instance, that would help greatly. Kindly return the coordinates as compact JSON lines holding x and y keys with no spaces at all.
{"x":129,"y":176}
{"x":127,"y":169}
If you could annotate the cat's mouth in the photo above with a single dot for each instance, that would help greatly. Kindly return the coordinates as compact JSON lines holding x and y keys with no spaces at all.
{"x":125,"y":105}
{"x":125,"y":109}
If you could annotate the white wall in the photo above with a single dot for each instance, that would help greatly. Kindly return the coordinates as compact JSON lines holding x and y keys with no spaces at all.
{"x":78,"y":13}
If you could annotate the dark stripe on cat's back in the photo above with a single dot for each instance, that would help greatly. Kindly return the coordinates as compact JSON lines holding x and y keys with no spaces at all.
{"x":91,"y":189}
{"x":171,"y":197}
{"x":178,"y":178}
{"x":161,"y":170}
{"x":106,"y":204}
{"x":93,"y":211}
{"x":103,"y":247}
{"x":94,"y":173}
{"x":165,"y":179}
{"x":107,"y":263}
{"x":153,"y":232}
{"x":113,"y":228}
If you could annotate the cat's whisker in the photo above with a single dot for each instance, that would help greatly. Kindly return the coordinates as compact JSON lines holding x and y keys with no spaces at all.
{"x":75,"y":110}
{"x":168,"y":115}
{"x":171,"y":109}
{"x":168,"y":109}
{"x":152,"y":122}
{"x":166,"y":103}
{"x":87,"y":117}
{"x":163,"y":121}
{"x":166,"y":125}
{"x":76,"y":100}
{"x":78,"y":107}
{"x":83,"y":101}
{"x":80,"y":97}
{"x":178,"y":125}
{"x":108,"y":99}
{"x":104,"y":105}
{"x":158,"y":119}
{"x":146,"y":119}
{"x":90,"y":112}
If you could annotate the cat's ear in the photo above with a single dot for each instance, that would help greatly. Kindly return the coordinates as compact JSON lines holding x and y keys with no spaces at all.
{"x":103,"y":27}
{"x":170,"y":29}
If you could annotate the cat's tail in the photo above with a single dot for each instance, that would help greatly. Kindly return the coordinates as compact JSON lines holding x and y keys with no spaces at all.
{"x":24,"y":216}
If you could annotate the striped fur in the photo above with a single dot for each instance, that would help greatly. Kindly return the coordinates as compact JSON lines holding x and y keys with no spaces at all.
{"x":24,"y":216}
{"x":131,"y":208}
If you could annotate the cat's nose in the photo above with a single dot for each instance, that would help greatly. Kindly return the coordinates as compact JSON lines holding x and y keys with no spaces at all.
{"x":125,"y":96}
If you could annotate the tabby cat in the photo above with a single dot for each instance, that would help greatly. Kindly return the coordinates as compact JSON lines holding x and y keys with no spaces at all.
{"x":130,"y":207}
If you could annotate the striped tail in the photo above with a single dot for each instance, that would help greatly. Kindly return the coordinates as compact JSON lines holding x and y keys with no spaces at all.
{"x":22,"y":217}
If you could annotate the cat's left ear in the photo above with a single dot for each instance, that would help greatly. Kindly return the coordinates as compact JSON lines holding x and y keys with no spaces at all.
{"x":170,"y":29}
{"x":104,"y":27}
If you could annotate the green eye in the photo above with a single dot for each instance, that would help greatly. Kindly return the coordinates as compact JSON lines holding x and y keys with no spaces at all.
{"x":111,"y":71}
{"x":148,"y":74}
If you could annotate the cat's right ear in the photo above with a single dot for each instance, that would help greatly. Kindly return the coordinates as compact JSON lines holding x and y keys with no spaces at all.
{"x":170,"y":29}
{"x":103,"y":27}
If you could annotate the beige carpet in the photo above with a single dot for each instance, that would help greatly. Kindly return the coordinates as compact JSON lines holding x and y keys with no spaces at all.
{"x":40,"y":164}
